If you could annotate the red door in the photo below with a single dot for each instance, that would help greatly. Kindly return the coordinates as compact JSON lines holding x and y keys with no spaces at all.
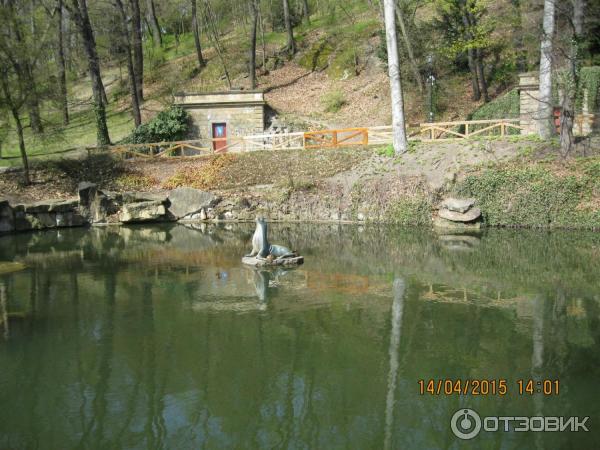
{"x":219,"y":134}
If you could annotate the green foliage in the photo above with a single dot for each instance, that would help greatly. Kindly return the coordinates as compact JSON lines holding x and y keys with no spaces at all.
{"x":461,"y":37}
{"x":169,"y":125}
{"x":590,"y":80}
{"x":535,"y":196}
{"x":317,"y":56}
{"x":388,"y":151}
{"x":333,"y":101}
{"x":135,"y":182}
{"x":411,"y":211}
{"x":504,"y":107}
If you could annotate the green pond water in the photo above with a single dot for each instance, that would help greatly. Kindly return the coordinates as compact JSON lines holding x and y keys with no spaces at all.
{"x":157,"y":337}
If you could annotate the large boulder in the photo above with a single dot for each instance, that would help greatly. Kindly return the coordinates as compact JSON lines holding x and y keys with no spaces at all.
{"x":457,"y":204}
{"x":62,"y":206}
{"x":445,"y":224}
{"x":136,"y":197}
{"x":186,"y":201}
{"x":95,"y":205}
{"x":152,"y":211}
{"x":7,"y":217}
{"x":87,"y":192}
{"x":468,"y":216}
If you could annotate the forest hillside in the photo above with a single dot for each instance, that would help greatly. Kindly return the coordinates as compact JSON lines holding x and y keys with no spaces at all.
{"x":333,"y":72}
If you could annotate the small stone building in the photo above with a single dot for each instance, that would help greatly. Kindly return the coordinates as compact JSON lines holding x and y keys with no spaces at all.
{"x":219,"y":115}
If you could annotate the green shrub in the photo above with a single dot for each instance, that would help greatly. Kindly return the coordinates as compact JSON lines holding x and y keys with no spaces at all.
{"x":169,"y":125}
{"x":411,"y":211}
{"x":504,"y":107}
{"x":534,"y":197}
{"x":333,"y":101}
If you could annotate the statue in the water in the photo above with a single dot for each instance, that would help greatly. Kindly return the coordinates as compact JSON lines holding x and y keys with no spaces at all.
{"x":264,"y":253}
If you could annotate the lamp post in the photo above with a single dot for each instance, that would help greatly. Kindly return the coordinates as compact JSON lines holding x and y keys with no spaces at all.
{"x":430,"y":87}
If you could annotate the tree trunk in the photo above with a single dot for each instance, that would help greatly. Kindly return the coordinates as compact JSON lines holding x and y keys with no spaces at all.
{"x":291,"y":43}
{"x":474,"y":77}
{"x":60,"y":57}
{"x":481,"y":74}
{"x":14,"y":109}
{"x":578,"y":15}
{"x":138,"y":51}
{"x":472,"y":59}
{"x":521,"y":61}
{"x":135,"y":100}
{"x":24,"y":159}
{"x":399,"y":289}
{"x":210,"y":21}
{"x":35,"y":119}
{"x":409,"y":48}
{"x":196,"y":29}
{"x":544,"y":119}
{"x":153,"y":21}
{"x":79,"y":13}
{"x":252,"y":55}
{"x":571,"y":87}
{"x":398,"y":125}
{"x":262,"y":40}
{"x":306,"y":11}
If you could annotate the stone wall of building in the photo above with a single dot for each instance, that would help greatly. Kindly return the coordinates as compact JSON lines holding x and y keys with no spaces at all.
{"x":240,"y":120}
{"x":529,"y":89}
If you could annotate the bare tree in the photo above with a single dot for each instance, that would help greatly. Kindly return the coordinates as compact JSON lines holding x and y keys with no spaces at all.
{"x":133,"y":89}
{"x":14,"y":102}
{"x":252,"y":54}
{"x":409,"y":48}
{"x":210,"y":20}
{"x":196,"y":29}
{"x":79,"y":14}
{"x":569,"y":79}
{"x":398,"y":125}
{"x":544,"y":119}
{"x":291,"y":43}
{"x":21,"y":57}
{"x":153,"y":22}
{"x":60,"y":59}
{"x":306,"y":11}
{"x":136,"y":44}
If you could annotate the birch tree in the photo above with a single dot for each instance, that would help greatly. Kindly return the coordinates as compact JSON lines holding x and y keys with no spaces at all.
{"x":398,"y":124}
{"x":544,"y":119}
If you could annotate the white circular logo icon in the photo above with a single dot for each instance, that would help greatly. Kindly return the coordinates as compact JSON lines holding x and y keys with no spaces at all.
{"x":465,"y":424}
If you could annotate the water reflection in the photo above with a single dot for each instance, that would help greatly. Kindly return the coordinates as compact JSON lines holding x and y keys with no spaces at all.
{"x":158,"y":337}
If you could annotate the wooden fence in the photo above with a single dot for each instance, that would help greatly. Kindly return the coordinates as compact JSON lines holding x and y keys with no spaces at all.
{"x":366,"y":136}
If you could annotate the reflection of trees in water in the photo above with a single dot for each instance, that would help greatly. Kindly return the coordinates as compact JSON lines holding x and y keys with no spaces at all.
{"x":396,"y":328}
{"x":309,"y":351}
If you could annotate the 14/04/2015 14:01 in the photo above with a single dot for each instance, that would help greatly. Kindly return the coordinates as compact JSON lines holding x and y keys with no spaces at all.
{"x":487,"y":387}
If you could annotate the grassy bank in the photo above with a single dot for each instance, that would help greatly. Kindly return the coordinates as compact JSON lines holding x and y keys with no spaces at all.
{"x":516,"y":182}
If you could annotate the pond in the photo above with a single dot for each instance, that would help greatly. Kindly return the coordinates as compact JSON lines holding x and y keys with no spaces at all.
{"x":158,"y":337}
